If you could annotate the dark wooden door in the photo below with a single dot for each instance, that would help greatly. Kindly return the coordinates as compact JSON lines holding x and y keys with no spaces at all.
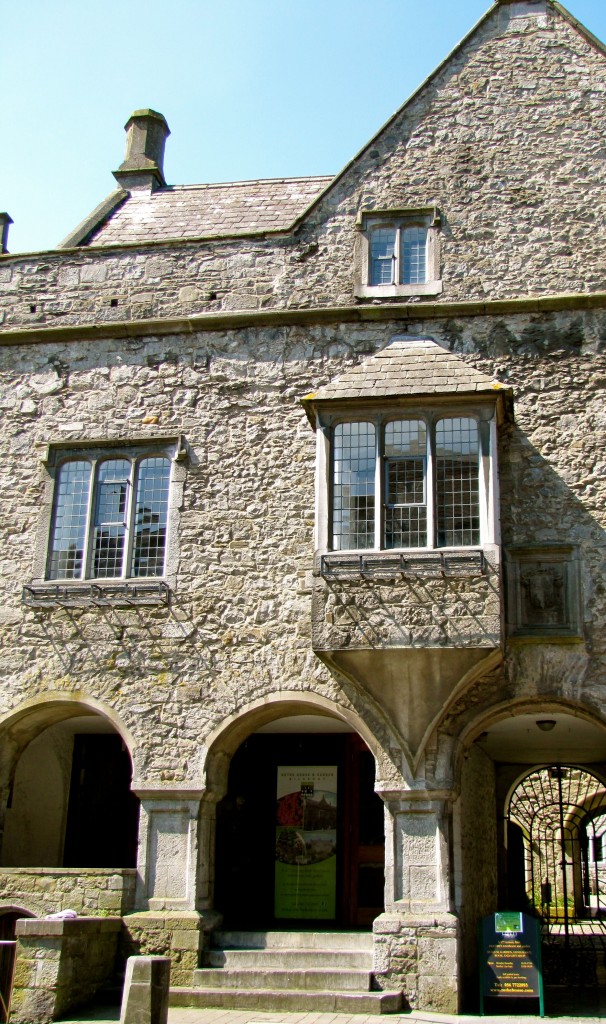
{"x":103,"y":814}
{"x":364,"y":838}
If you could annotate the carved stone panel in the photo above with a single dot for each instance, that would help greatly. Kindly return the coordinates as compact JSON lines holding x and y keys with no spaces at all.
{"x":543,"y":592}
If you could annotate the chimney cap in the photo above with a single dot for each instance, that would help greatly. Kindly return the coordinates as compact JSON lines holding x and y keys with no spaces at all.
{"x":148,"y":113}
{"x":5,"y":223}
{"x":143,"y":166}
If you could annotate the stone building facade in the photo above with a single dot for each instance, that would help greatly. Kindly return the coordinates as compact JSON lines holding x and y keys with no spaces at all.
{"x":305,"y":474}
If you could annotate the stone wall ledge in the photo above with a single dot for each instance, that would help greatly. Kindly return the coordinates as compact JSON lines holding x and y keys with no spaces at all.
{"x":183,"y":919}
{"x":393,"y":923}
{"x":70,"y":872}
{"x":302,"y":317}
{"x":34,"y":927}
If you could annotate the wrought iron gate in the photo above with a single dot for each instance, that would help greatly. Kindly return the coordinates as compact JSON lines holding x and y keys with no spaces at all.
{"x":561,"y":812}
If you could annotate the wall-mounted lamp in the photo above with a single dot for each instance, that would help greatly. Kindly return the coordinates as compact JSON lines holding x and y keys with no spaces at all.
{"x":545,"y":724}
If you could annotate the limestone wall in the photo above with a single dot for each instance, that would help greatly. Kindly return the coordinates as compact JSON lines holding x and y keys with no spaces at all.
{"x":88,"y":891}
{"x":60,"y":965}
{"x":427,"y":610}
{"x":239,"y":625}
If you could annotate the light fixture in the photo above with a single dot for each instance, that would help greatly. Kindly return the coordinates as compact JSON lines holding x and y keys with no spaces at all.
{"x":545,"y":724}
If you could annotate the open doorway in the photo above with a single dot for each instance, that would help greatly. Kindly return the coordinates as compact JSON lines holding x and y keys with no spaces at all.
{"x":69,"y":801}
{"x":300,"y":833}
{"x":532,"y":814}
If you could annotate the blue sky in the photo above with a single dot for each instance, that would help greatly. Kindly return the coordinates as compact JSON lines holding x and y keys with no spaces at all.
{"x":250,"y":89}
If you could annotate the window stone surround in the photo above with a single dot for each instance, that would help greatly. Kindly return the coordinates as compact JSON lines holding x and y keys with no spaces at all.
{"x":50,"y":455}
{"x":427,"y":217}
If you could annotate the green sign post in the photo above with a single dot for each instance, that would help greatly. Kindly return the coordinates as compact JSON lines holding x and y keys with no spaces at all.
{"x":510,"y":962}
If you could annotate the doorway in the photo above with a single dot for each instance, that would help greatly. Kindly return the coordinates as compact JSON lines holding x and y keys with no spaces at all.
{"x":300,"y":834}
{"x":70,"y":803}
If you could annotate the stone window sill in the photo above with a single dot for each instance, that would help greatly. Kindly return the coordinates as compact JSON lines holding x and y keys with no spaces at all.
{"x":408,"y":565}
{"x":393,"y":291}
{"x":81,"y":595}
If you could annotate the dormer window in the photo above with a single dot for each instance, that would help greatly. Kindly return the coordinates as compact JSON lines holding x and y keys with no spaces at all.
{"x":397,"y":253}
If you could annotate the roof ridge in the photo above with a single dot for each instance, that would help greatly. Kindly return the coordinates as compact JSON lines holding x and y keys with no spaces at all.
{"x":244,"y":181}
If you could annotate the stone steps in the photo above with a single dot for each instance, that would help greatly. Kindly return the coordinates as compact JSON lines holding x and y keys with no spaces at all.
{"x":286,"y":959}
{"x":317,"y":979}
{"x":278,"y":971}
{"x":287,"y":999}
{"x":294,"y":940}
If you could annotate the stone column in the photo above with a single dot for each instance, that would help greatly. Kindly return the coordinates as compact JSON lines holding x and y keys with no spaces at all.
{"x":166,"y":919}
{"x":168,"y":849}
{"x":416,"y":938}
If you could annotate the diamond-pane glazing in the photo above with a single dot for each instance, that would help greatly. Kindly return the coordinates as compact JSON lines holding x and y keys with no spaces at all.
{"x":354,"y":458}
{"x":457,"y":482}
{"x":150,"y":517}
{"x":69,"y":521}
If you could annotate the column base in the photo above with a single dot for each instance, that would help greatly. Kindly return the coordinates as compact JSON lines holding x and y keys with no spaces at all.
{"x":181,"y":935}
{"x":418,"y":953}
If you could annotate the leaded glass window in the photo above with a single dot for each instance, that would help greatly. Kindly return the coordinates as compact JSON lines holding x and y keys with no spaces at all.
{"x":457,"y":491}
{"x":150,"y":517}
{"x":109,"y":518}
{"x":413,"y":243}
{"x":354,"y":460}
{"x":405,"y":472}
{"x":383,"y":256}
{"x":70,"y":521}
{"x":398,"y":255}
{"x":428,"y":474}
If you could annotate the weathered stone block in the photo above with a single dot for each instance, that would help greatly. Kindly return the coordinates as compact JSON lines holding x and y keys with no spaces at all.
{"x":146,"y":985}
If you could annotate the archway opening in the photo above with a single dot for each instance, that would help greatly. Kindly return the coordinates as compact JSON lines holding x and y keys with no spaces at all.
{"x":300,"y":832}
{"x":69,"y":802}
{"x":8,"y":920}
{"x":540,"y":775}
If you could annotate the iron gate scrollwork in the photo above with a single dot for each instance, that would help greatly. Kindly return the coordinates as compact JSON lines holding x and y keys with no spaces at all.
{"x":560,"y":811}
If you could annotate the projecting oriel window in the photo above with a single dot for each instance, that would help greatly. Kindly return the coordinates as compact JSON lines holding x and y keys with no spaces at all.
{"x":406,"y":483}
{"x":109,"y":517}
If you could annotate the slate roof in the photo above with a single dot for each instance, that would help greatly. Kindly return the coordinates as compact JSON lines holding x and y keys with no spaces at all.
{"x":194,"y":211}
{"x":407,"y":367}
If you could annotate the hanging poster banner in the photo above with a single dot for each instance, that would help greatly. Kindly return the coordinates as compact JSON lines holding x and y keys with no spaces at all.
{"x":306,"y":842}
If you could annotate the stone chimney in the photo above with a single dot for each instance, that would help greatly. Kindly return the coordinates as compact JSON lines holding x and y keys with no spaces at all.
{"x":143,"y":167}
{"x":5,"y":222}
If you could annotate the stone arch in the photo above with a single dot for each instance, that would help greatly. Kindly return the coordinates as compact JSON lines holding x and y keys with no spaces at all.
{"x":511,"y":709}
{"x":226,"y":809}
{"x":225,"y":739}
{"x":22,"y":723}
{"x":45,"y":737}
{"x":493,"y":750}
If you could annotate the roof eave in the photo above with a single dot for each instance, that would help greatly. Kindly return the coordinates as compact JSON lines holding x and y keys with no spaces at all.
{"x":496,"y":393}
